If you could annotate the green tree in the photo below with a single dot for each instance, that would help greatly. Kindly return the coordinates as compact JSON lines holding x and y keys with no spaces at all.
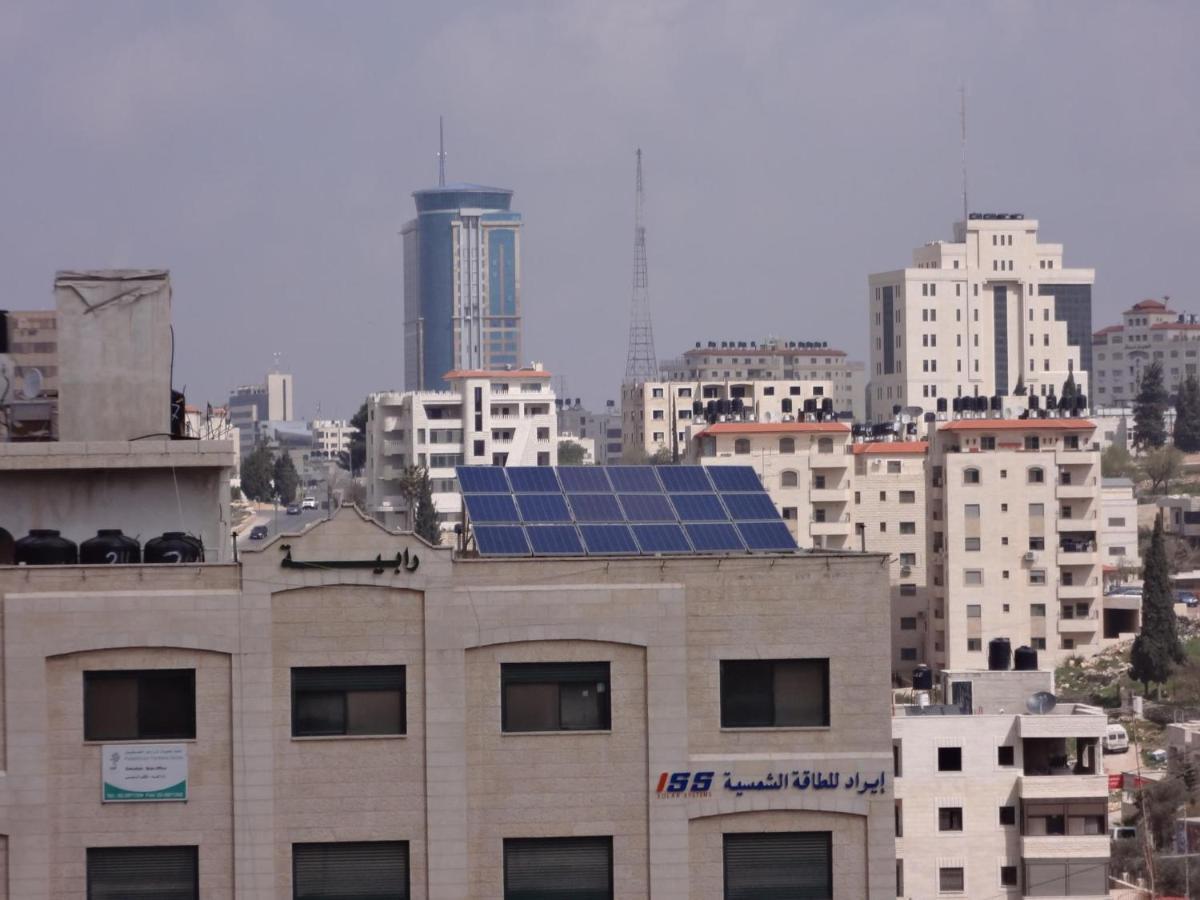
{"x":1069,"y":392}
{"x":1161,"y":466}
{"x":426,"y":524}
{"x":286,"y":478}
{"x":411,"y":481}
{"x":1116,"y":462}
{"x":257,"y":471}
{"x":356,"y":458}
{"x":1156,"y":650}
{"x":570,"y":453}
{"x":662,"y":457}
{"x":1187,"y":415}
{"x":1149,"y":408}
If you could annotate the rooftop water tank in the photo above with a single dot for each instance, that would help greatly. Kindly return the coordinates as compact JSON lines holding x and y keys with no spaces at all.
{"x":174,"y":547}
{"x":999,"y":654}
{"x":45,"y":547}
{"x":922,"y":678}
{"x":110,"y":546}
{"x":1025,"y":659}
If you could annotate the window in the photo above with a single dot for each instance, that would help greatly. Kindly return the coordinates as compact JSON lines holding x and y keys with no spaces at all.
{"x":974,"y":610}
{"x":908,"y":559}
{"x":893,"y":467}
{"x":1114,"y":522}
{"x":741,"y":445}
{"x":1037,"y":610}
{"x":571,"y":696}
{"x":1038,"y":643}
{"x":972,"y":544}
{"x":370,"y":870}
{"x":789,"y":479}
{"x":790,"y":513}
{"x":1008,"y":815}
{"x":1008,"y":876}
{"x":908,"y":654}
{"x":908,"y":527}
{"x":974,"y":645}
{"x":908,"y":496}
{"x":1116,"y":551}
{"x":1037,"y":543}
{"x":1064,"y":878}
{"x":950,"y":879}
{"x":971,"y":511}
{"x":908,"y":590}
{"x":949,"y":759}
{"x":774,"y":693}
{"x":1037,"y":576}
{"x":1036,"y":475}
{"x":973,"y":577}
{"x":1004,"y":755}
{"x":970,"y":476}
{"x":165,"y":873}
{"x":787,"y":445}
{"x":343,"y":700}
{"x":778,"y":864}
{"x":541,"y":868}
{"x":152,"y":704}
{"x":950,"y":818}
{"x":825,"y":445}
{"x":908,"y":623}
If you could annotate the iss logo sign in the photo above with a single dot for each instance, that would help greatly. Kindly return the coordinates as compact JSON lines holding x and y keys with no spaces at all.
{"x":685,"y":784}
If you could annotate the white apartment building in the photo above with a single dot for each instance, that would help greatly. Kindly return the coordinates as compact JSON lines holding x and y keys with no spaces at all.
{"x":488,"y":418}
{"x":1119,"y":527}
{"x":1150,"y":331}
{"x":992,"y":312}
{"x":331,"y":437}
{"x":602,"y":428}
{"x":994,"y":801}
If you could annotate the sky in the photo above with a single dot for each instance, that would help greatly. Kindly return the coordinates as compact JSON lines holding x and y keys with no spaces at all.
{"x":266,"y":154}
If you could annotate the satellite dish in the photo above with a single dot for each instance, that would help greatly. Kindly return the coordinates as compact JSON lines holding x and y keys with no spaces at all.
{"x":31,"y":384}
{"x":1041,"y":702}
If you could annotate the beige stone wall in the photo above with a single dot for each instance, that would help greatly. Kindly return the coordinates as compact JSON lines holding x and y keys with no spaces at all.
{"x":348,"y":788}
{"x":555,"y":785}
{"x":79,"y":820}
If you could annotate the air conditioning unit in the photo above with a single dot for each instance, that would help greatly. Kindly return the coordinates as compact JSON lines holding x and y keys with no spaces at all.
{"x":1030,"y":556}
{"x":906,"y":570}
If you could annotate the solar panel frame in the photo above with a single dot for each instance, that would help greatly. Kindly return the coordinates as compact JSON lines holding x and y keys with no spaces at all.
{"x":482,"y":480}
{"x":601,"y":508}
{"x":533,"y":480}
{"x":634,"y":480}
{"x":750,"y":506}
{"x":543,"y":507}
{"x":554,"y":540}
{"x":609,"y":540}
{"x":734,"y":478}
{"x":661,"y":537}
{"x":491,"y":508}
{"x":584,"y":480}
{"x":709,"y":537}
{"x":698,"y":507}
{"x":647,"y":507}
{"x":685,"y":479}
{"x":767,"y":536}
{"x":504,"y":540}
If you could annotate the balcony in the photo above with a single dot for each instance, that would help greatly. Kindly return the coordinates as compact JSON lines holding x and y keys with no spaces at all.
{"x":1079,"y":625}
{"x":1079,"y":520}
{"x":1065,"y":846}
{"x":829,"y":495}
{"x":1081,"y":589}
{"x":1077,"y":489}
{"x":394,"y":448}
{"x":832,"y":525}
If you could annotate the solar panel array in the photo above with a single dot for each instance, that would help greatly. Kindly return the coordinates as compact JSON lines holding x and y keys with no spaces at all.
{"x":620,"y":511}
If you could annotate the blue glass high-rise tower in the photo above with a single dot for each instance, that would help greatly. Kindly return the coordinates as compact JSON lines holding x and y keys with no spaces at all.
{"x":462,"y":284}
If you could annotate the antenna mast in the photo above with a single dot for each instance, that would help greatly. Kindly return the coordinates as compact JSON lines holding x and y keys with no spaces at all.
{"x":441,"y":154}
{"x":963,"y":118}
{"x":641,"y":364}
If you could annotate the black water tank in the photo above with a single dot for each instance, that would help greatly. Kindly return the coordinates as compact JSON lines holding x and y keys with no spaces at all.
{"x":110,"y":546}
{"x":45,"y":547}
{"x":922,"y":678}
{"x":174,"y":547}
{"x":1025,"y":659}
{"x":999,"y":654}
{"x":941,"y":404}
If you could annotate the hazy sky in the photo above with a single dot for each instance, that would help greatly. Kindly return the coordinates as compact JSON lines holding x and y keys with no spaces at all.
{"x":266,"y":153}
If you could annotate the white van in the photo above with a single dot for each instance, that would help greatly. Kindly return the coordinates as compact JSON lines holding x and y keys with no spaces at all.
{"x":1115,"y":739}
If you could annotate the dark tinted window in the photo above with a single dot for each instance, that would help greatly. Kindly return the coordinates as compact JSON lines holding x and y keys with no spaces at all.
{"x":1008,"y":815}
{"x":142,"y":873}
{"x":151,"y":704}
{"x":359,"y":870}
{"x":773,"y":693}
{"x":949,"y":759}
{"x":579,"y":868}
{"x":338,"y":700}
{"x":1004,"y":755}
{"x":555,"y":696}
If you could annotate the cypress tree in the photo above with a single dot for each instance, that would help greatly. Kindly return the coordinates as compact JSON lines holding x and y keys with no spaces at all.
{"x":1069,"y":391}
{"x":1149,"y":407}
{"x":1187,"y":415}
{"x":426,"y":522}
{"x":1156,"y":650}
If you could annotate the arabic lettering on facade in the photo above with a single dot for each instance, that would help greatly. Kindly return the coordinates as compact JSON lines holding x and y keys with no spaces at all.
{"x":809,"y":779}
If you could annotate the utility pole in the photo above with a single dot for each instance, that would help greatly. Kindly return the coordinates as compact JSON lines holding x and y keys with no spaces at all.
{"x":641,"y":364}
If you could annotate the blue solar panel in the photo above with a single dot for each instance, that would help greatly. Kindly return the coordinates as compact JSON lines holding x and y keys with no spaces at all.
{"x":584,"y":479}
{"x":596,"y":508}
{"x":482,"y":480}
{"x":750,"y":506}
{"x":543,"y":508}
{"x":734,"y":478}
{"x":533,"y":480}
{"x":699,"y":508}
{"x":501,"y":540}
{"x":661,"y":539}
{"x":491,"y":507}
{"x":684,"y":479}
{"x":714,"y":536}
{"x":647,"y":508}
{"x":767,"y":535}
{"x":636,"y":479}
{"x":554,"y":540}
{"x":603,"y":540}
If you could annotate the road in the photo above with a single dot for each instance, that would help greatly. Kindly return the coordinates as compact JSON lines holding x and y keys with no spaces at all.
{"x":286,"y":524}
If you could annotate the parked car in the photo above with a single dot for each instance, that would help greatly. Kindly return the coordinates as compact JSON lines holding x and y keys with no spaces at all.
{"x":1158,"y":757}
{"x":1115,"y":739}
{"x":1187,"y":598}
{"x":293,"y":510}
{"x":1124,"y":832}
{"x":258,"y":532}
{"x":308,"y":503}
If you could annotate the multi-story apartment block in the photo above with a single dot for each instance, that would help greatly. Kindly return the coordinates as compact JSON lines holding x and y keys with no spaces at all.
{"x":602,"y":428}
{"x":32,"y":344}
{"x":252,"y":406}
{"x":1014,"y":510}
{"x":1149,"y":332}
{"x":1119,"y":527}
{"x":462,"y":284}
{"x":331,"y":437}
{"x":500,"y":418}
{"x":769,"y":381}
{"x":996,"y":801}
{"x":991,"y":313}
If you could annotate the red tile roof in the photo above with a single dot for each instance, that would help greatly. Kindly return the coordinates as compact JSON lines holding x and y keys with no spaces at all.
{"x":1149,"y":305}
{"x":892,"y":448}
{"x":775,"y":428}
{"x":1018,"y":425}
{"x":1171,"y":326}
{"x":1109,"y":329}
